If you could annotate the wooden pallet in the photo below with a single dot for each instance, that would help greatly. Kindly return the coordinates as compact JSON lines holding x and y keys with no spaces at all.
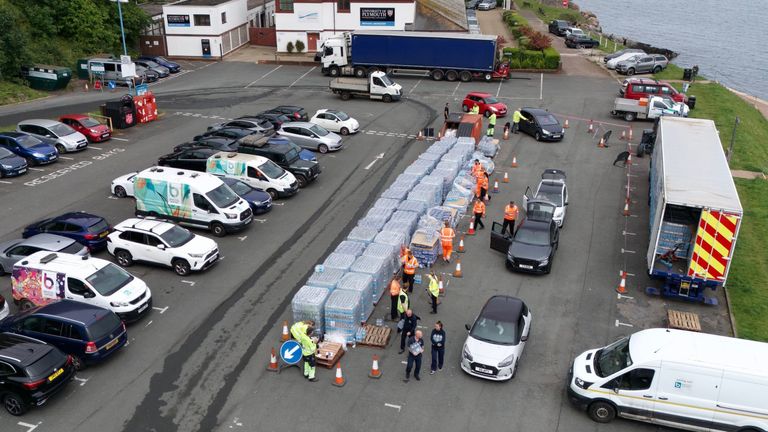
{"x":376,"y":336}
{"x":683,"y":320}
{"x":328,"y":354}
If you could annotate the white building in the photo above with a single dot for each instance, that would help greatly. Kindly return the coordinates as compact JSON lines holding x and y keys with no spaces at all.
{"x":205,"y":28}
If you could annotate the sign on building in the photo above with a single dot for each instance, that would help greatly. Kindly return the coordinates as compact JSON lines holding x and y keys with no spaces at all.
{"x":377,"y":17}
{"x":178,"y":20}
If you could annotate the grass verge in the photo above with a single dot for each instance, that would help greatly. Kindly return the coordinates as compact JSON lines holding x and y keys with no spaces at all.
{"x":548,"y":13}
{"x":11,"y":93}
{"x":672,"y":72}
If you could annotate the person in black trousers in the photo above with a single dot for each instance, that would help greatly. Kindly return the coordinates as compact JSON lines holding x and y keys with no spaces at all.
{"x":438,"y":347}
{"x":409,"y":328}
{"x":415,"y":351}
{"x":446,"y":111}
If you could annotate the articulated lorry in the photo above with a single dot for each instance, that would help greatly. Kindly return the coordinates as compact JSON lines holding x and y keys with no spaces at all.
{"x":695,"y":212}
{"x":449,"y":56}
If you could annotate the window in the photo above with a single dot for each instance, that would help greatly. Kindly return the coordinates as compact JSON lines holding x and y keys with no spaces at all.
{"x":636,"y":379}
{"x":223,"y":17}
{"x":53,"y":327}
{"x":54,"y":226}
{"x":342,"y":5}
{"x":153,"y":241}
{"x":285,"y":6}
{"x":201,"y":202}
{"x":72,"y":331}
{"x":254,"y":173}
{"x":68,"y":227}
{"x":636,"y":88}
{"x":377,"y":82}
{"x":133,"y":236}
{"x":651,"y":89}
{"x":76,"y":287}
{"x":202,"y":20}
{"x":109,"y":67}
{"x":33,"y":324}
{"x":6,"y":369}
{"x":666,"y":90}
{"x":23,"y":251}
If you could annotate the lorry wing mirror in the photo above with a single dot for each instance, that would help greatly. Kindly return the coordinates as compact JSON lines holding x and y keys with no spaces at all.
{"x":524,"y":339}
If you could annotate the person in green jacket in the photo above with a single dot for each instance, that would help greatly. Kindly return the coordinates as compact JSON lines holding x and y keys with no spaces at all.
{"x":308,"y":350}
{"x":300,"y":328}
{"x":491,"y":125}
{"x":434,"y":290}
{"x":516,"y":120}
{"x":475,"y":109}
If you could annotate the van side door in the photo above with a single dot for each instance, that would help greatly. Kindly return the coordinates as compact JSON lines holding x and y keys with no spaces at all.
{"x":202,"y":210}
{"x":633,"y":392}
{"x":257,"y":179}
{"x":687,"y":395}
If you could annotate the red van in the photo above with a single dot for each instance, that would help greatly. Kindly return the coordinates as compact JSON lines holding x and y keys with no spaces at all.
{"x":637,"y":88}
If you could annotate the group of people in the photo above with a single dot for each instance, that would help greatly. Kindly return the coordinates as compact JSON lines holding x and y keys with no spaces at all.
{"x":515,"y":125}
{"x":481,"y":196}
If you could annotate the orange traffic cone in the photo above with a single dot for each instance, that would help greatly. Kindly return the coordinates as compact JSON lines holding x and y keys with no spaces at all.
{"x":626,"y":208}
{"x":623,"y":135}
{"x":273,"y":366}
{"x":629,"y":137}
{"x":506,"y":178}
{"x":506,"y":133}
{"x":601,"y":144}
{"x":461,"y":244}
{"x":439,"y":135}
{"x":420,"y":136}
{"x":339,"y":381}
{"x":495,"y":186}
{"x":375,"y":371}
{"x":285,"y":336}
{"x":565,"y":125}
{"x":440,"y":285}
{"x":457,"y":272}
{"x":471,"y":228}
{"x":514,"y":161}
{"x":622,"y":288}
{"x":591,"y":127}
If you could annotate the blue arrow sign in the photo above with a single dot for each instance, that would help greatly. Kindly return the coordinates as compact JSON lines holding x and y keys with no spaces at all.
{"x":290,"y":352}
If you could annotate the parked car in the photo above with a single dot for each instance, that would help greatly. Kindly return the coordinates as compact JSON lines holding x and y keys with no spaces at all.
{"x":552,"y":189}
{"x":284,"y":154}
{"x":122,"y":186}
{"x":32,"y":372}
{"x":611,"y":63}
{"x":192,"y":158}
{"x":161,"y":71}
{"x":60,"y":135}
{"x":88,"y":229}
{"x":218,"y":143}
{"x":311,"y":136}
{"x":581,"y":41}
{"x":295,"y":113}
{"x":88,"y":126}
{"x":472,"y":4}
{"x":532,"y":247}
{"x":574,"y":31}
{"x":13,"y":251}
{"x":306,"y":155}
{"x":34,"y":150}
{"x":11,"y":164}
{"x":486,"y":5}
{"x":621,"y":53}
{"x":226,"y":132}
{"x":541,"y":125}
{"x":254,"y":124}
{"x":158,"y":242}
{"x":652,"y":63}
{"x":4,"y":309}
{"x":637,"y":88}
{"x":336,"y":121}
{"x":260,"y":201}
{"x":146,"y":75}
{"x":274,"y":117}
{"x":497,"y":338}
{"x":488,"y":104}
{"x":559,"y":27}
{"x":89,"y":334}
{"x":173,"y":67}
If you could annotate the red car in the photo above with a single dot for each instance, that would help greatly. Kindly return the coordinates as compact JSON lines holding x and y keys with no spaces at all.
{"x":488,"y":104}
{"x":636,"y":88}
{"x":88,"y":126}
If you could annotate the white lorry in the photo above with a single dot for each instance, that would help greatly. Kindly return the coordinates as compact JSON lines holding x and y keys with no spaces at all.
{"x":376,"y":86}
{"x":648,"y":108}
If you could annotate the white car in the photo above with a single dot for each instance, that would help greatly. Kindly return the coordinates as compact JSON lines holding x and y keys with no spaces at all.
{"x":155,"y":241}
{"x":497,"y":339}
{"x":335,"y":121}
{"x":574,"y":31}
{"x":552,"y":189}
{"x":123,"y":186}
{"x":611,"y":64}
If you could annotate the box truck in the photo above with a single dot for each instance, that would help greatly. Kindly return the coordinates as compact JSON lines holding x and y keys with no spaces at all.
{"x":695,"y":212}
{"x":686,"y":380}
{"x":376,"y":86}
{"x":450,"y":56}
{"x":648,"y":108}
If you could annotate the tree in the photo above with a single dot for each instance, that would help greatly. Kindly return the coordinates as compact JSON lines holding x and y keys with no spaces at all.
{"x":13,"y":44}
{"x":289,"y":47}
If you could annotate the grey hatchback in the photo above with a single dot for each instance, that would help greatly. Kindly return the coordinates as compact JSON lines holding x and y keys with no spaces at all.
{"x":14,"y":250}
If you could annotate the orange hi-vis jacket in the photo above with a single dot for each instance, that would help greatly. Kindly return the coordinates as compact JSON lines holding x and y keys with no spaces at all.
{"x":510,"y":212}
{"x":482,"y":183}
{"x":478,"y":170}
{"x":394,"y":288}
{"x":479,"y":208}
{"x":410,"y":266}
{"x":446,"y":235}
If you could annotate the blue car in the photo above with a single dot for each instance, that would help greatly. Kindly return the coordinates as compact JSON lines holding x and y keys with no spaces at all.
{"x":162,"y":61}
{"x":11,"y":164}
{"x":34,"y":150}
{"x":260,"y":201}
{"x":303,"y":154}
{"x":90,"y":334}
{"x":90,"y":230}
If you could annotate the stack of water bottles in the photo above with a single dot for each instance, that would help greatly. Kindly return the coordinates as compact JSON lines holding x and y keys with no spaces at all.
{"x":309,"y":304}
{"x":342,"y":314}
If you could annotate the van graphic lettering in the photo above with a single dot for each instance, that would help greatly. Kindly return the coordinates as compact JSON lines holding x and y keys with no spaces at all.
{"x":175,"y":195}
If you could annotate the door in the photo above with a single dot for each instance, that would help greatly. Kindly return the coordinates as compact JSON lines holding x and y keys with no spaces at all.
{"x":78,"y":290}
{"x":633,"y":392}
{"x":312,"y":41}
{"x":378,"y":87}
{"x":499,"y":241}
{"x":687,"y":394}
{"x":257,"y":179}
{"x":136,"y":243}
{"x":324,"y":120}
{"x":645,"y":64}
{"x":202,"y":210}
{"x":156,"y":250}
{"x":527,"y":123}
{"x":527,"y":196}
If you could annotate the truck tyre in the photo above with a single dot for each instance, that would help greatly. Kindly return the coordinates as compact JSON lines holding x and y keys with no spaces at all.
{"x":322,"y":148}
{"x":387,"y":98}
{"x":181,"y":267}
{"x":630,"y":116}
{"x":465,"y":76}
{"x":437,"y":74}
{"x":334,"y":71}
{"x":631,"y":71}
{"x":372,"y":69}
{"x":124,"y":258}
{"x":451,"y":75}
{"x":344,"y":131}
{"x":301,"y":180}
{"x":657,"y":69}
{"x":218,"y":229}
{"x":601,"y":412}
{"x":14,"y":404}
{"x":488,"y":77}
{"x":360,"y":72}
{"x":346,"y":95}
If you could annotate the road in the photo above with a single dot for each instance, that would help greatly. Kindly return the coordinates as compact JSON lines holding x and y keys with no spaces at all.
{"x":197,"y":363}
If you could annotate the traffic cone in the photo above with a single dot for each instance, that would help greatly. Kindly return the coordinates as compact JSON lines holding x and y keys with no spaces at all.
{"x":591,"y":127}
{"x":495,"y":186}
{"x":506,"y":133}
{"x":285,"y":336}
{"x":273,"y":366}
{"x":420,"y":136}
{"x":375,"y":371}
{"x":514,"y":161}
{"x":622,"y":288}
{"x":457,"y":272}
{"x":565,"y":125}
{"x":439,"y":135}
{"x":471,"y":228}
{"x":601,"y":144}
{"x":461,"y":244}
{"x":629,"y":137}
{"x":629,"y":159}
{"x":506,"y":178}
{"x":623,"y":135}
{"x":626,"y":208}
{"x":339,"y":381}
{"x":440,"y":285}
{"x":86,"y":86}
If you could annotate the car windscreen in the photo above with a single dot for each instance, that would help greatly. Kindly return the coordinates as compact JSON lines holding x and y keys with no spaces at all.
{"x":385,"y":79}
{"x":240,"y":188}
{"x":109,"y":323}
{"x":98,"y":227}
{"x":341,"y":115}
{"x":271,"y":170}
{"x":546,"y":120}
{"x":71,"y":248}
{"x":553,"y":195}
{"x":151,"y":63}
{"x":320,"y":131}
{"x":491,"y":100}
{"x":47,"y":363}
{"x":109,"y":279}
{"x":495,"y":331}
{"x":89,"y":122}
{"x":4,"y":153}
{"x":60,"y":129}
{"x":613,"y":358}
{"x":222,"y":196}
{"x":162,"y":59}
{"x":177,"y":236}
{"x":27,"y":141}
{"x":532,"y":236}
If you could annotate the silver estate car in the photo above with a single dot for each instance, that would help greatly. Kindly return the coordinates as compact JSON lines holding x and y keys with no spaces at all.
{"x":14,"y":250}
{"x":311,"y":136}
{"x":57,"y":133}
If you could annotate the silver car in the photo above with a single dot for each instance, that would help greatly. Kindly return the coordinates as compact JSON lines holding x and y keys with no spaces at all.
{"x":57,"y":133}
{"x":486,"y":5}
{"x":311,"y":136}
{"x":14,"y":250}
{"x":251,"y":123}
{"x":149,"y":64}
{"x":651,"y":63}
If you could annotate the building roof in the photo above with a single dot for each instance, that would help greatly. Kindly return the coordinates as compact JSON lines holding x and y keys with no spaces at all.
{"x":200,"y":2}
{"x":441,"y":15}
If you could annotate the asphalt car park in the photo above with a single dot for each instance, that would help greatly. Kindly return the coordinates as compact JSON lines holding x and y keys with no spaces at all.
{"x":197,"y":362}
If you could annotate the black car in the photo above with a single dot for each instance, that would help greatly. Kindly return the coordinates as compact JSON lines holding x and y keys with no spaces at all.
{"x":541,"y":125}
{"x":284,"y":154}
{"x":213,"y":142}
{"x":11,"y":164}
{"x":533,"y":246}
{"x":472,"y":4}
{"x":250,"y":123}
{"x":558,"y":27}
{"x":579,"y":41}
{"x":31,"y":371}
{"x":276,"y":118}
{"x":193,"y":158}
{"x":232,"y":132}
{"x":260,"y":201}
{"x":295,"y":113}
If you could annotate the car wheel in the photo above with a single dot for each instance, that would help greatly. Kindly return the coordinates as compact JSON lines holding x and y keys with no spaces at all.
{"x":601,"y":412}
{"x":272,"y":194}
{"x":537,"y":136}
{"x":437,"y":74}
{"x":334,"y":71}
{"x":580,"y":46}
{"x":322,"y":148}
{"x":631,"y":71}
{"x":14,"y":404}
{"x":629,"y":116}
{"x":451,"y":75}
{"x":218,"y":229}
{"x":2,"y":270}
{"x":360,"y":72}
{"x":487,"y":113}
{"x":124,"y":258}
{"x":120,"y":192}
{"x":181,"y":267}
{"x":61,"y":149}
{"x":465,"y":108}
{"x":387,"y":98}
{"x":344,"y":131}
{"x":301,"y":180}
{"x":78,"y":363}
{"x":25,"y":305}
{"x":465,"y":76}
{"x":657,"y":69}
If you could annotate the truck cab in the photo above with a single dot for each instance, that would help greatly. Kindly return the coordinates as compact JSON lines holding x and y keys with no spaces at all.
{"x":333,"y":54}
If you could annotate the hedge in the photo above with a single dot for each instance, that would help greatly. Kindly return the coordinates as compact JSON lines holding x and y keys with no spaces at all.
{"x":527,"y":59}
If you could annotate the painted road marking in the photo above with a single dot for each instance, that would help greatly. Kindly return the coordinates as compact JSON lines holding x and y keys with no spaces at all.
{"x":257,"y":220}
{"x":95,"y":148}
{"x":305,"y":74}
{"x":81,"y":381}
{"x":414,"y":87}
{"x":277,"y":204}
{"x":626,"y":251}
{"x":621,"y":296}
{"x":36,"y":169}
{"x":30,"y":427}
{"x":619,"y":323}
{"x":148,"y":324}
{"x":112,"y":197}
{"x":162,"y":310}
{"x":68,"y":169}
{"x":243,"y":238}
{"x":397,"y":407}
{"x":626,"y":233}
{"x":191,"y":283}
{"x":6,"y":182}
{"x":263,"y":76}
{"x":499,"y":89}
{"x":66,"y":158}
{"x":456,"y":88}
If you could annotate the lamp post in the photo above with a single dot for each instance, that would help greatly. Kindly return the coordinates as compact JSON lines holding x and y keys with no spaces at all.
{"x":122,"y":30}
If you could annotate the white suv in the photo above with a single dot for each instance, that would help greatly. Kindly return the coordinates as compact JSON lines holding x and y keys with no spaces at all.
{"x":164,"y":243}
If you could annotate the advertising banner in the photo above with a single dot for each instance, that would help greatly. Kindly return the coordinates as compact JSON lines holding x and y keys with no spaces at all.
{"x":377,"y":17}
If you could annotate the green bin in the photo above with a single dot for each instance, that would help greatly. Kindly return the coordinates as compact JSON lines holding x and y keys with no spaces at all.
{"x":42,"y":77}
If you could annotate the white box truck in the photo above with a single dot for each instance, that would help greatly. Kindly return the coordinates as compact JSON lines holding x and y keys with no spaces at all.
{"x":691,"y":381}
{"x":190,"y":198}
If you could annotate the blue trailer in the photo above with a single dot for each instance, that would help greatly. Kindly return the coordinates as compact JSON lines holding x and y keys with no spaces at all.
{"x":450,"y":56}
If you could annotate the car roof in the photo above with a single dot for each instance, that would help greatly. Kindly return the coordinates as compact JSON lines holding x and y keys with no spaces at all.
{"x":40,"y":122}
{"x":219,"y":139}
{"x":81,"y":217}
{"x":481,"y":94}
{"x":74,"y":116}
{"x":154,"y":226}
{"x":46,"y":241}
{"x":14,"y":134}
{"x":537,"y":111}
{"x":22,"y":349}
{"x":560,"y":21}
{"x":502,"y":308}
{"x":553,"y":187}
{"x":72,"y":310}
{"x":299,"y":124}
{"x":291,"y":107}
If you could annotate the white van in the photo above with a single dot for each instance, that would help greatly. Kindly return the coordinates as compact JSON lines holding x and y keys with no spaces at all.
{"x":190,"y":198}
{"x":45,"y":277}
{"x":257,"y":171}
{"x":691,"y":381}
{"x":113,"y":70}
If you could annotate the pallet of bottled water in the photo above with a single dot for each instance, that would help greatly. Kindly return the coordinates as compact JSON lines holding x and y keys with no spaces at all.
{"x":362,"y":283}
{"x":325,"y":277}
{"x":342,"y":313}
{"x":339,"y":261}
{"x":309,"y":304}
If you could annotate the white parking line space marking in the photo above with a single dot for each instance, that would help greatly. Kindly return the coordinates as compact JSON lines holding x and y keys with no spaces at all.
{"x":119,"y":139}
{"x":621,"y":296}
{"x":66,"y":158}
{"x":112,"y":197}
{"x":455,"y":89}
{"x":6,"y":182}
{"x":191,"y":283}
{"x":626,"y":251}
{"x":30,"y":427}
{"x":162,"y":310}
{"x":263,"y":76}
{"x":619,"y":323}
{"x":278,"y":204}
{"x":498,"y":90}
{"x":255,"y":220}
{"x":397,"y":407}
{"x":36,"y":169}
{"x":305,"y":74}
{"x":626,"y":233}
{"x":95,"y":148}
{"x":148,"y":324}
{"x":243,"y":238}
{"x":414,"y":87}
{"x":81,"y":381}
